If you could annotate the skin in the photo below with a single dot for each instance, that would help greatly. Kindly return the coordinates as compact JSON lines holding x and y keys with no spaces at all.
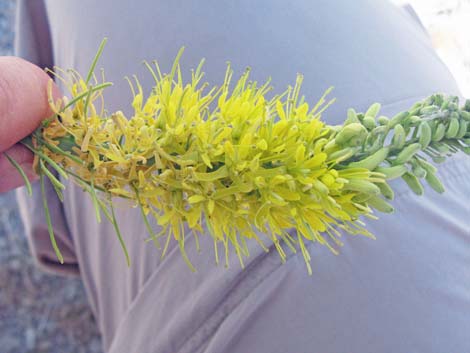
{"x":23,"y":105}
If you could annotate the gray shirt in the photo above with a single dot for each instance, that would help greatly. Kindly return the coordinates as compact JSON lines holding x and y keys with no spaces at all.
{"x":407,"y":291}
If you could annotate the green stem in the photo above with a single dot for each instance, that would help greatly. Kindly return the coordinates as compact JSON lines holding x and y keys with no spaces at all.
{"x":95,"y":60}
{"x":118,"y":232}
{"x":48,"y":219}
{"x":22,"y":173}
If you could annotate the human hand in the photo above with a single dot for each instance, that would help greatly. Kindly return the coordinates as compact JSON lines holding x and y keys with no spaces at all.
{"x":23,"y":104}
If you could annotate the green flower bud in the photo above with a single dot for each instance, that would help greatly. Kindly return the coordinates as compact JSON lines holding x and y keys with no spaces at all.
{"x":439,"y":132}
{"x":372,"y":161}
{"x":463,"y":129}
{"x":378,"y":143}
{"x":435,"y":183}
{"x":380,"y":204}
{"x":363,"y":186}
{"x":418,"y":171}
{"x":441,"y":147}
{"x":438,"y":99}
{"x":361,"y":198}
{"x":354,"y":132}
{"x":452,"y":129}
{"x":414,"y":119}
{"x":413,"y":183}
{"x":465,"y":115}
{"x":466,"y":106}
{"x":352,"y":117}
{"x":379,"y":130}
{"x":383,"y":120}
{"x":397,"y":119}
{"x":407,"y":153}
{"x":426,"y":165}
{"x":445,"y":104}
{"x":392,"y":172}
{"x":373,"y":110}
{"x":369,"y":122}
{"x":429,"y":110}
{"x":341,"y":155}
{"x":399,"y":137}
{"x":425,"y":134}
{"x":386,"y":190}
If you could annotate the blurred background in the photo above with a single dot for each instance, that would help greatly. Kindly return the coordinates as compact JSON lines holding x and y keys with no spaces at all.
{"x":448,"y":24}
{"x":45,"y":313}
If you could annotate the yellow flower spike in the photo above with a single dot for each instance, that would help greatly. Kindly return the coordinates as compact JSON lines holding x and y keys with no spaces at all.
{"x":191,"y":162}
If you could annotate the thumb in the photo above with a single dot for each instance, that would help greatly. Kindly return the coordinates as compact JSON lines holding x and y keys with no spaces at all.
{"x":23,"y":99}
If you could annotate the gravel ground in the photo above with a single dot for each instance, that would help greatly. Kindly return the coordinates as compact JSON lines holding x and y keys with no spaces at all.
{"x":38,"y":312}
{"x":33,"y":320}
